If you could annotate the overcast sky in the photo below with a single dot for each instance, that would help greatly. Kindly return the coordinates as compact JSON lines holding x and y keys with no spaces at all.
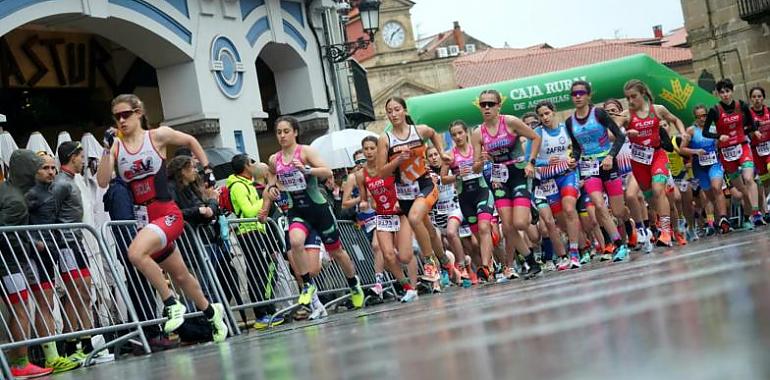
{"x":523,"y":23}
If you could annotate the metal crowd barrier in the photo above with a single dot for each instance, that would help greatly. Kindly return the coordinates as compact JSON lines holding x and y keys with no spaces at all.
{"x":145,"y":300}
{"x":31,"y":257}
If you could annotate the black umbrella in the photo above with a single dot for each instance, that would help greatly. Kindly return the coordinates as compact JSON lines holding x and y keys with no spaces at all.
{"x":219,"y":160}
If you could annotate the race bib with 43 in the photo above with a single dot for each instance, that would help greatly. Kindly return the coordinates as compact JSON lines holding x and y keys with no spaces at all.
{"x":642,"y":154}
{"x":589,"y":168}
{"x":293,"y":181}
{"x":732,"y":153}
{"x":763,"y":149}
{"x":388,"y":223}
{"x":499,"y":173}
{"x":710,"y":158}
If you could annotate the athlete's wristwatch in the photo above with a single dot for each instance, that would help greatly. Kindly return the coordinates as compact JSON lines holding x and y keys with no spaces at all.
{"x":308,"y":169}
{"x":533,"y":161}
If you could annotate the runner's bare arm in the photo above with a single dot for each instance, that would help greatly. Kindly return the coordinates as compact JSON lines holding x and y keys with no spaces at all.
{"x":384,"y":168}
{"x":671,"y":118}
{"x":106,"y":166}
{"x":478,"y":160}
{"x":164,"y":136}
{"x":318,"y":166}
{"x":348,"y":200}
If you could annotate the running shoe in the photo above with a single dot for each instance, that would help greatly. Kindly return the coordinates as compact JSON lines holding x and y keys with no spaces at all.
{"x":510,"y":273}
{"x":444,"y":278}
{"x":609,"y":248}
{"x":430,"y":273}
{"x":61,"y":364}
{"x":483,"y":274}
{"x":473,"y":277}
{"x":647,"y":245}
{"x":265,"y":322}
{"x":664,"y":240}
{"x":767,"y":218}
{"x":29,"y":371}
{"x":692,"y":234}
{"x":409,"y":296}
{"x":318,"y":309}
{"x":574,"y":261}
{"x":563,"y":264}
{"x":748,"y":225}
{"x":758,"y":220}
{"x":175,"y":315}
{"x":724,"y":226}
{"x":218,"y":325}
{"x":550,"y":266}
{"x":534,"y":271}
{"x":709,"y":231}
{"x":357,"y":295}
{"x":586,"y":257}
{"x":680,"y":239}
{"x":78,"y":357}
{"x":621,"y":253}
{"x":633,"y":240}
{"x":308,"y":292}
{"x":378,"y":289}
{"x":605,"y":257}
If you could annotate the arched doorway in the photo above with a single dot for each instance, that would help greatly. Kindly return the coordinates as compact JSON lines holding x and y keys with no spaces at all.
{"x":59,"y":73}
{"x":284,"y":83}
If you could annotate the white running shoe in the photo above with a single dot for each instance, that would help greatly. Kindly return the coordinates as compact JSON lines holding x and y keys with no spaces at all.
{"x":318,"y":309}
{"x":411,"y":295}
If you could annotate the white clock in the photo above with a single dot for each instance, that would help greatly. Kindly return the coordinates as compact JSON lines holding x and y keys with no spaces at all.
{"x":393,"y":33}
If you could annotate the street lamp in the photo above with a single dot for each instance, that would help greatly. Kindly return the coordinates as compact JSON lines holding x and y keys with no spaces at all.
{"x":369,"y":12}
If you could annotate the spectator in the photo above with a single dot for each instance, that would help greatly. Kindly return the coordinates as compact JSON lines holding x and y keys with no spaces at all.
{"x":201,"y":210}
{"x":260,"y":265}
{"x":119,"y":203}
{"x":13,"y":212}
{"x":43,"y":210}
{"x":73,"y":260}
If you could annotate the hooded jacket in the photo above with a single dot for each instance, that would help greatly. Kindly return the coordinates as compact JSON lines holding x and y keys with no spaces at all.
{"x":13,"y":206}
{"x":246,"y":202}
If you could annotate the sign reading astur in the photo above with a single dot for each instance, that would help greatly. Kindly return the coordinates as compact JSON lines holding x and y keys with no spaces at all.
{"x":39,"y":59}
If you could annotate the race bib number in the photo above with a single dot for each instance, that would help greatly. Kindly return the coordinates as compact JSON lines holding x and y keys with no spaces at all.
{"x":708,"y":159}
{"x":143,"y":189}
{"x":465,"y":231}
{"x":370,"y":224}
{"x":499,"y":173}
{"x":142,"y":218}
{"x":732,"y":153}
{"x":293,"y":181}
{"x":642,"y":154}
{"x":589,"y":168}
{"x":445,"y":206}
{"x":549,"y":187}
{"x":388,"y":223}
{"x":763,"y":149}
{"x":470,"y":174}
{"x":407,"y":191}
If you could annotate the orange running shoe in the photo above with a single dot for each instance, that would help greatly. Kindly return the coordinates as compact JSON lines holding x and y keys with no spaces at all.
{"x":680,"y":239}
{"x":664,"y":240}
{"x":609,"y":248}
{"x":633,"y":239}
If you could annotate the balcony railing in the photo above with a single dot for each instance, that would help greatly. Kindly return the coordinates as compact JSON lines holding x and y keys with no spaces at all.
{"x":356,"y":97}
{"x":754,"y":11}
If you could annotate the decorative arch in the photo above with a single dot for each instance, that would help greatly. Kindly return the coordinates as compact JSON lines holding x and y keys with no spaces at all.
{"x":145,"y":29}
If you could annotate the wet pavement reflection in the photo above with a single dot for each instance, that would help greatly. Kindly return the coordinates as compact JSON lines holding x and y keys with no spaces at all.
{"x":699,"y":312}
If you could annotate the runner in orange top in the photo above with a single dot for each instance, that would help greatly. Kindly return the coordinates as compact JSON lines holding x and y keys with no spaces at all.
{"x":401,"y":153}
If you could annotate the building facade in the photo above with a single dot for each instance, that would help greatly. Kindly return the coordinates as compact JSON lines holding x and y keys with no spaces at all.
{"x":729,"y":39}
{"x":222,"y":70}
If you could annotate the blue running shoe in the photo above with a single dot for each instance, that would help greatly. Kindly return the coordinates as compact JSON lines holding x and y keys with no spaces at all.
{"x":621,"y":253}
{"x":444,"y":278}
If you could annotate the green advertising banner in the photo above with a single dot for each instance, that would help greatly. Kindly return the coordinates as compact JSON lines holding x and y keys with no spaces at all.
{"x":669,"y":88}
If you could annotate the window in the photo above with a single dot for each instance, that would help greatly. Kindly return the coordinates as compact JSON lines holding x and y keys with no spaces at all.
{"x":470,"y":48}
{"x":442,"y":52}
{"x":454,"y":50}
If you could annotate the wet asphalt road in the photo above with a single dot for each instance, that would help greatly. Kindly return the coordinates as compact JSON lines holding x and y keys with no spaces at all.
{"x":698,"y":312}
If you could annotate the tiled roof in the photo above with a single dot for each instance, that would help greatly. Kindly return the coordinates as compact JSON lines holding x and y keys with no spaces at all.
{"x":677,"y":37}
{"x":495,"y":65}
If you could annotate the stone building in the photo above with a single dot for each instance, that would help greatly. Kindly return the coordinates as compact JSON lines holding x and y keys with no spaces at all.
{"x":729,"y":39}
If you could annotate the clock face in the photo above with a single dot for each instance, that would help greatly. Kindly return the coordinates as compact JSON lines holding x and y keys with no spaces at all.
{"x":393,"y":34}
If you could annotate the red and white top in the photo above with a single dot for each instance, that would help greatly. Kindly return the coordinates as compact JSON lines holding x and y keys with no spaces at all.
{"x":383,"y":192}
{"x":731,"y":125}
{"x":763,"y":124}
{"x":144,"y":171}
{"x":648,"y":128}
